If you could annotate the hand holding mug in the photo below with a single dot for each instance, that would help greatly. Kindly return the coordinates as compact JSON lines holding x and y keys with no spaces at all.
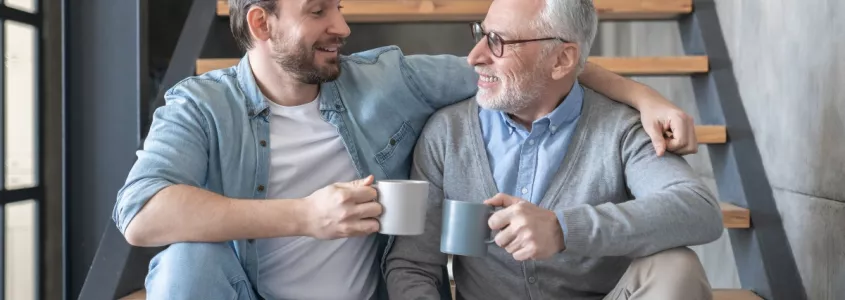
{"x":343,"y":210}
{"x":527,"y":231}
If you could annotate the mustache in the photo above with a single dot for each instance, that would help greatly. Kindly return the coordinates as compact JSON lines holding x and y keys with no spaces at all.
{"x":485,"y":71}
{"x":336,"y":41}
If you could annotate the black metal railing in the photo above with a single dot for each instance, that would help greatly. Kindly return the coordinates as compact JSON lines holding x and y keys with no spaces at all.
{"x":763,"y":255}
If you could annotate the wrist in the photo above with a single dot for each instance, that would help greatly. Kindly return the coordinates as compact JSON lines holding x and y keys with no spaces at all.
{"x":290,"y":217}
{"x":303,"y":214}
{"x":560,"y":231}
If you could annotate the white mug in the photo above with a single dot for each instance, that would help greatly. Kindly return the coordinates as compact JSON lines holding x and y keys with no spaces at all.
{"x":404,"y":204}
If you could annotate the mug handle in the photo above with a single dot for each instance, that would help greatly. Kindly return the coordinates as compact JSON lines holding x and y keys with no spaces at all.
{"x":493,"y":232}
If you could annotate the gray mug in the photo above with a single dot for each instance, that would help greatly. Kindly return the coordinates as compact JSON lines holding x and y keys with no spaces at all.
{"x":404,"y":204}
{"x":465,"y":230}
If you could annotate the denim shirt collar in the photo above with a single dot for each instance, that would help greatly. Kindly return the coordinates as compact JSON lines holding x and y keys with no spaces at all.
{"x":566,"y":112}
{"x":257,"y":104}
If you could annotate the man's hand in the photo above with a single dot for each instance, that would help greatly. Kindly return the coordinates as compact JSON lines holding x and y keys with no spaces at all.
{"x":343,"y":210}
{"x":530,"y":232}
{"x":669,"y":127}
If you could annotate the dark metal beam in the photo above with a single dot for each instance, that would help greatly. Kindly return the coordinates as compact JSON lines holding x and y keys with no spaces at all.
{"x":764,"y":258}
{"x":118,"y":268}
{"x":9,"y":196}
{"x":16,"y":15}
{"x":188,"y":50}
{"x":51,"y":212}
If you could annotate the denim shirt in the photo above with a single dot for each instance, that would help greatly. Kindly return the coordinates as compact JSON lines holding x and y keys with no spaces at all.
{"x":213,"y":131}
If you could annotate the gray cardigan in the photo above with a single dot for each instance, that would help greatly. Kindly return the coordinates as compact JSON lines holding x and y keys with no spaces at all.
{"x":620,"y":201}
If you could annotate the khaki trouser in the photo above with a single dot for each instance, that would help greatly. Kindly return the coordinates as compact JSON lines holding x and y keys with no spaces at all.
{"x":668,"y":275}
{"x":674,"y":274}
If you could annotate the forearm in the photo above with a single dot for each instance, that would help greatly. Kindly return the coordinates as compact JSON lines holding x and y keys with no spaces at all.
{"x":183,"y":213}
{"x":683,"y":215}
{"x":616,"y":87}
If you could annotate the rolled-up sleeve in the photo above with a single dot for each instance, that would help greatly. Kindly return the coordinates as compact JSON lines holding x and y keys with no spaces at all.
{"x":175,"y":152}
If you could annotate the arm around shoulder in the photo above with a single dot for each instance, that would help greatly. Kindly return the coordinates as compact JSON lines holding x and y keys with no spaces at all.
{"x":440,"y":80}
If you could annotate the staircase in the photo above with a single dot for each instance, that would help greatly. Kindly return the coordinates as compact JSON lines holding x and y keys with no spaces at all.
{"x":763,"y":256}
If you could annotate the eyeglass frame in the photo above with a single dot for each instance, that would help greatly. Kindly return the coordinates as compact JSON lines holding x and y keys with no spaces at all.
{"x":493,"y":35}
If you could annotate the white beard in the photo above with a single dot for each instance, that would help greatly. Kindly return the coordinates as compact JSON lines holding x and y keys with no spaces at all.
{"x":516,"y":95}
{"x":512,"y":96}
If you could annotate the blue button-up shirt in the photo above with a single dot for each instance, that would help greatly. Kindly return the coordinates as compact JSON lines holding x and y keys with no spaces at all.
{"x":524,"y":162}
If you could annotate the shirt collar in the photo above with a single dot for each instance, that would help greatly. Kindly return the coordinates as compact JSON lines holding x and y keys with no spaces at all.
{"x":255,"y":103}
{"x":255,"y":100}
{"x":566,"y":112}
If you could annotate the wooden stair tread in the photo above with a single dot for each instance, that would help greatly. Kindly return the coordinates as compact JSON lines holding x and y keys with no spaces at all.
{"x":138,"y":295}
{"x":731,"y":294}
{"x":711,"y":134}
{"x":734,"y":216}
{"x":363,"y":11}
{"x":665,"y":65}
{"x":654,"y":65}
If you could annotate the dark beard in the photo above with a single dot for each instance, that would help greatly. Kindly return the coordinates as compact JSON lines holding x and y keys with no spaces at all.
{"x":300,"y":63}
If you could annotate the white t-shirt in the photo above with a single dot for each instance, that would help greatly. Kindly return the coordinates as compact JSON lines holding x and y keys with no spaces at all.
{"x":306,"y":154}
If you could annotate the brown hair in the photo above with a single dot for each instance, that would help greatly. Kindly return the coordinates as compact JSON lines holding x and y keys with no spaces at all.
{"x":237,"y":19}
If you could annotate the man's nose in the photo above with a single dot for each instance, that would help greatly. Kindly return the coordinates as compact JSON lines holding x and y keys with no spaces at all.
{"x":480,"y":54}
{"x":339,"y":27}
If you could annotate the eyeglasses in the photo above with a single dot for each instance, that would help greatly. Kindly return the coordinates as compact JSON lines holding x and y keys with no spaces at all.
{"x":496,"y":43}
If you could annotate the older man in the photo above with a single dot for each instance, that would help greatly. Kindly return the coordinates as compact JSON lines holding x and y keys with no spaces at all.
{"x":590,"y":210}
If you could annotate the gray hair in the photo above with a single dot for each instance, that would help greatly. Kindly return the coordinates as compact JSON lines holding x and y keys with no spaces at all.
{"x":572,"y":20}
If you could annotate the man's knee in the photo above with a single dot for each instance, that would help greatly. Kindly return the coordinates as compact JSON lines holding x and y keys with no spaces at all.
{"x":674,"y":274}
{"x":678,"y":261}
{"x":192,"y":268}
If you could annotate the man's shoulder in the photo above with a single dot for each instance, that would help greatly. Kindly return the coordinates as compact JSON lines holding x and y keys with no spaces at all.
{"x":454,"y":114}
{"x":214,"y":90}
{"x":452,"y":120}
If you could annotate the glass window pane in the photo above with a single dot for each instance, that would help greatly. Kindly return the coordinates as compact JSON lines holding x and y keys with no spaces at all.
{"x":20,"y":250}
{"x":24,"y":5}
{"x":20,"y":105}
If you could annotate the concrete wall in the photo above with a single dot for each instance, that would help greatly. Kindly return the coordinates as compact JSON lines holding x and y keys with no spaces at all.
{"x":789,"y":60}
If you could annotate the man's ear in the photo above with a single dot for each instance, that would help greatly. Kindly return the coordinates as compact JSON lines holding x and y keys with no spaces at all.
{"x":566,"y":58}
{"x":258,"y":21}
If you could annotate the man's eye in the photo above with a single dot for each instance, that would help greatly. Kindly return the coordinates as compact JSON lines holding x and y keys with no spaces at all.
{"x":317,"y":13}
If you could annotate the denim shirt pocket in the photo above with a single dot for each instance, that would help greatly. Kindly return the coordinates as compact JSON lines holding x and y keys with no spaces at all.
{"x":397,"y":151}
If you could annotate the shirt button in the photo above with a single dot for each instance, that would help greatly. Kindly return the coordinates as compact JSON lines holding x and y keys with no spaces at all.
{"x":524,"y":191}
{"x":531,"y":142}
{"x":263,"y":143}
{"x":260,"y":188}
{"x":532,"y":280}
